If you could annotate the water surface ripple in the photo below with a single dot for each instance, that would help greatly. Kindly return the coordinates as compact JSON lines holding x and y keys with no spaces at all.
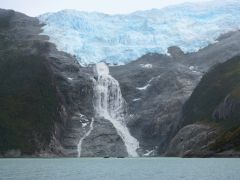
{"x":120,"y":169}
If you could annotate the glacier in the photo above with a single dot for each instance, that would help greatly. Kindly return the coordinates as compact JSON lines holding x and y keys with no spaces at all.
{"x":93,"y":37}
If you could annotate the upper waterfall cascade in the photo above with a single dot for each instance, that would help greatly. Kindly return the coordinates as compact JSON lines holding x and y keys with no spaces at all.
{"x":110,"y":105}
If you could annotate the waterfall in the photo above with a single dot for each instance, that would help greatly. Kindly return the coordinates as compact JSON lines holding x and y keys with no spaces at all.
{"x":110,"y":105}
{"x":79,"y":146}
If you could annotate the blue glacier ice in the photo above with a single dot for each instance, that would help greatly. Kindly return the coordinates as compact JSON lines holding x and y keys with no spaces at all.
{"x":117,"y":39}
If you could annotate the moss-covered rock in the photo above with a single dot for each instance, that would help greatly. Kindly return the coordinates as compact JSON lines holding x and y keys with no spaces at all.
{"x":228,"y":140}
{"x":216,"y":98}
{"x":28,"y":97}
{"x":28,"y":103}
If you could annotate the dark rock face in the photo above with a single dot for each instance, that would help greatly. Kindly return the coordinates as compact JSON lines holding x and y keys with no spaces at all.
{"x":193,"y":138}
{"x":70,"y":86}
{"x":156,"y":94}
{"x":75,"y":128}
{"x":13,"y":153}
{"x":214,"y":102}
{"x":103,"y":141}
{"x":216,"y":96}
{"x":175,"y":52}
{"x":29,"y":100}
{"x":155,"y":97}
{"x":229,"y":106}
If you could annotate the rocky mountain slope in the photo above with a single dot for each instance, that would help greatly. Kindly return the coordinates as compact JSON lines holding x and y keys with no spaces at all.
{"x":157,"y":86}
{"x":41,"y":92}
{"x":211,"y":116}
{"x":49,"y":101}
{"x":29,"y":101}
{"x":47,"y":97}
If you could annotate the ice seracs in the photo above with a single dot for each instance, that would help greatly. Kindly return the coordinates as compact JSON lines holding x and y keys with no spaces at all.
{"x":117,"y":39}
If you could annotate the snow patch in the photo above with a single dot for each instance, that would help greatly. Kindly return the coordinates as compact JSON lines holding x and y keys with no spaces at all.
{"x":84,"y":124}
{"x":137,"y":99}
{"x":82,"y":117}
{"x":191,"y":68}
{"x":194,"y":69}
{"x":149,"y":153}
{"x":148,"y":83}
{"x":143,"y":88}
{"x":147,"y":66}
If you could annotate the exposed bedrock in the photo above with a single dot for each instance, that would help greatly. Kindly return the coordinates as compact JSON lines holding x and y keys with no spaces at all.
{"x":103,"y":141}
{"x":193,"y":138}
{"x":156,"y":87}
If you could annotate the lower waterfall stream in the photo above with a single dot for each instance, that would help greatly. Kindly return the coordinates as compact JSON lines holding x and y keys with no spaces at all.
{"x":79,"y":147}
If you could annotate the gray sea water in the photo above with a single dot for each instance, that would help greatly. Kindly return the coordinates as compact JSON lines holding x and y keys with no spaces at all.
{"x":120,"y":169}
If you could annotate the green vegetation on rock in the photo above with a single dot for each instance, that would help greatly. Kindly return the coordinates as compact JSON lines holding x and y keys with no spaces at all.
{"x":28,"y":103}
{"x":221,"y":82}
{"x":216,"y":100}
{"x":28,"y":96}
{"x":228,"y":140}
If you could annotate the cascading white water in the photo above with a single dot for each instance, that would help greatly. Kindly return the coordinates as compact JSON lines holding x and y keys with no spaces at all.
{"x":110,"y":104}
{"x":79,"y":146}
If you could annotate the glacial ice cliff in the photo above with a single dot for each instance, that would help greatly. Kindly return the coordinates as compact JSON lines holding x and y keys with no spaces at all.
{"x":118,"y":39}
